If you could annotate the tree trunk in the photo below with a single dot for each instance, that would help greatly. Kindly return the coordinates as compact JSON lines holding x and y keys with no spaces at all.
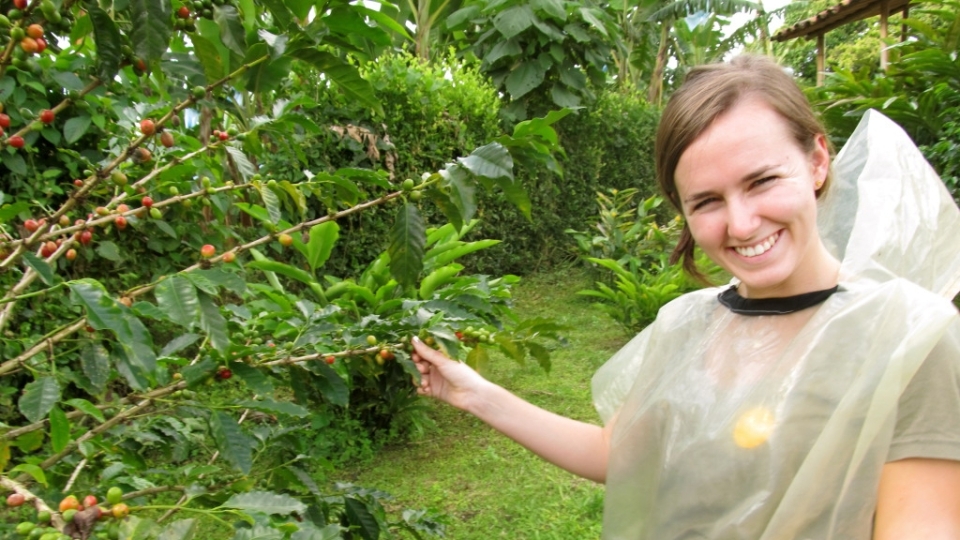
{"x":764,"y":31}
{"x":423,"y":30}
{"x":655,"y":91}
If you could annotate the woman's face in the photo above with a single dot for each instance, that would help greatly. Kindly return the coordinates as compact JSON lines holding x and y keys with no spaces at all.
{"x":748,"y":193}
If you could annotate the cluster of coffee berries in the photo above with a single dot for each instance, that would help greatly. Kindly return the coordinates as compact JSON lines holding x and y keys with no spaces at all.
{"x":471,"y":335}
{"x":84,"y":236}
{"x":80,"y":518}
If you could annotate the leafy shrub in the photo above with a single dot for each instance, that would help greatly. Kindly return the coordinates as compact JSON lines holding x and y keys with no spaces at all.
{"x":920,"y":91}
{"x":944,"y":154}
{"x":607,"y":146}
{"x":630,"y":256}
{"x":627,"y":230}
{"x":542,"y":55}
{"x":432,"y":113}
{"x":440,"y":111}
{"x":637,"y":294}
{"x":170,"y":324}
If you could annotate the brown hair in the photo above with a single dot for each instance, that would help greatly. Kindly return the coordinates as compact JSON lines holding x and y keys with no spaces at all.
{"x":711,"y":90}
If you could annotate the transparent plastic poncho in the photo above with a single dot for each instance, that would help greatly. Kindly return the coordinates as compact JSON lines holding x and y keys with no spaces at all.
{"x":772,"y":427}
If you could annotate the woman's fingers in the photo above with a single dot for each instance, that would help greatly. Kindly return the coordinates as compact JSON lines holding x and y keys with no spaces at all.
{"x":427,"y":354}
{"x":428,"y":362}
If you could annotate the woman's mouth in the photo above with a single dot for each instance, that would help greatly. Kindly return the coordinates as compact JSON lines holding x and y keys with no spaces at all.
{"x":758,"y":249}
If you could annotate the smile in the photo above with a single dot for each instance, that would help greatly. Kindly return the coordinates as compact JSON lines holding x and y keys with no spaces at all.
{"x":760,"y":248}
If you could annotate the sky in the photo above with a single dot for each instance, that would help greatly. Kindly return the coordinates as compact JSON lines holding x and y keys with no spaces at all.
{"x":768,"y":5}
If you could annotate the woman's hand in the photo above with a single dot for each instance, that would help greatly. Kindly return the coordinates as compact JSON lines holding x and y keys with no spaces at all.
{"x":449,"y":381}
{"x":575,"y":446}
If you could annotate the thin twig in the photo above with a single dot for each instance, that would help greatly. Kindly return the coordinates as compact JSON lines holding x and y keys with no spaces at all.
{"x":39,"y":346}
{"x":73,"y":477}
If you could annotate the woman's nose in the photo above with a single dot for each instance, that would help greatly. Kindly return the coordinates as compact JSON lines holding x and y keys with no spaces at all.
{"x":743,"y":220}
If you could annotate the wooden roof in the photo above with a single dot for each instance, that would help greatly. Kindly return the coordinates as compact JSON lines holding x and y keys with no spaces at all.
{"x":845,"y":12}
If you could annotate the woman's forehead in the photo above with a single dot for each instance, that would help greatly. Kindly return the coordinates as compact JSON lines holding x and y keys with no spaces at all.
{"x":748,"y":136}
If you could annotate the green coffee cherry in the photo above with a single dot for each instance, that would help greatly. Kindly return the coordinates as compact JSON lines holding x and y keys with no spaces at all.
{"x":114,"y":495}
{"x":48,"y":8}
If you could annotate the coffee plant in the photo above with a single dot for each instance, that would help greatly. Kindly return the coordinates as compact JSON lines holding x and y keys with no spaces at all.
{"x":168,"y":330}
{"x":628,"y":253}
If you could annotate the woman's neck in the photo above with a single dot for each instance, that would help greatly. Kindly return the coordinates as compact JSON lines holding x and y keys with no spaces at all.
{"x":820,"y":271}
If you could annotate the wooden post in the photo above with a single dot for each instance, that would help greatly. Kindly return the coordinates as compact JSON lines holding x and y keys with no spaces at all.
{"x":884,"y":14}
{"x":821,"y":62}
{"x":903,"y":27}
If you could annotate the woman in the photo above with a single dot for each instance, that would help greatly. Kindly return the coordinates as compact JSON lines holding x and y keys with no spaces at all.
{"x":803,"y":401}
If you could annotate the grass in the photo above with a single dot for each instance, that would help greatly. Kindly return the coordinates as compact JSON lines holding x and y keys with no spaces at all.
{"x":486,"y":485}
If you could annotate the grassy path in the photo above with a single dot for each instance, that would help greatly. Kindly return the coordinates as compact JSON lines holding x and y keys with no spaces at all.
{"x":486,"y":485}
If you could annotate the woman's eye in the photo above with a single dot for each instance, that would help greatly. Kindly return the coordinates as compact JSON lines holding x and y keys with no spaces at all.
{"x":763,"y":180}
{"x":703,"y":202}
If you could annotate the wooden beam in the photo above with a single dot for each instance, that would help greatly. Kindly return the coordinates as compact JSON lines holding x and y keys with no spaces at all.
{"x":884,"y":15}
{"x":821,"y":52}
{"x":843,"y":13}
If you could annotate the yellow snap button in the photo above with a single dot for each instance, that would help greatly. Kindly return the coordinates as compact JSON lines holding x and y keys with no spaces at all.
{"x":753,"y":428}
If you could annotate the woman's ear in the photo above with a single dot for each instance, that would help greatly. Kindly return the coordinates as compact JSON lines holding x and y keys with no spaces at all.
{"x":820,"y":160}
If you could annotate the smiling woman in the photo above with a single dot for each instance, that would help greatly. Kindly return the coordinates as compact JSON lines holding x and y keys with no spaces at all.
{"x":819,"y":396}
{"x":748,"y":192}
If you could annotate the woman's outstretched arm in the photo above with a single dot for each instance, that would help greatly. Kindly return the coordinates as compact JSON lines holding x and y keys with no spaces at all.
{"x":578,"y":447}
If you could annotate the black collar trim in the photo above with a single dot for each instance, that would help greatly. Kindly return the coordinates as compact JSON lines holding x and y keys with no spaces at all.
{"x":772,"y":306}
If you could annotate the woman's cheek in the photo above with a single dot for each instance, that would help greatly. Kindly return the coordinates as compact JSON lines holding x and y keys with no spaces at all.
{"x":704,"y":229}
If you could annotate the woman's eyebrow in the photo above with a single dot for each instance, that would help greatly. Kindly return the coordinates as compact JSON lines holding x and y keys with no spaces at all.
{"x":759,"y":171}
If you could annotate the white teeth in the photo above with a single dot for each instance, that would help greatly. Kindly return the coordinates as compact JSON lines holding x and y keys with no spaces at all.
{"x":759,"y":249}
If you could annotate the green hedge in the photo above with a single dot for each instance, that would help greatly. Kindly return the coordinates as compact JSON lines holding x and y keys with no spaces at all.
{"x":434,"y":113}
{"x":609,"y":145}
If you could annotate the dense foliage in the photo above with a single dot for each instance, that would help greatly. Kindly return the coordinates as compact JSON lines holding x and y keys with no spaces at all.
{"x":431,"y":113}
{"x":440,"y":110}
{"x":920,"y":90}
{"x":629,"y":253}
{"x":853,"y":47}
{"x":171,"y":328}
{"x":609,"y":145}
{"x":221,"y":221}
{"x":544,"y":55}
